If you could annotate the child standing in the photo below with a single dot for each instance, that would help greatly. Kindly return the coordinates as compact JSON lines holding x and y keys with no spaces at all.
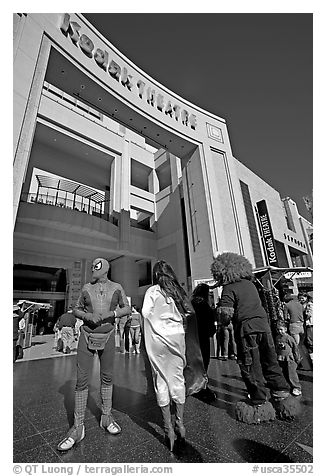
{"x":288,"y":357}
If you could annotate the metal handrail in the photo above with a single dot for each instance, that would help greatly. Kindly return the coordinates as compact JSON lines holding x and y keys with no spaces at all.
{"x":65,"y":203}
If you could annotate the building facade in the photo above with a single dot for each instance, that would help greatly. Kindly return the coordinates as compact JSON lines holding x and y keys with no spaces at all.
{"x":109,"y":162}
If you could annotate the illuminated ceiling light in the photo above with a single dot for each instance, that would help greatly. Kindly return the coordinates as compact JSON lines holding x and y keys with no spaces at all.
{"x":82,"y":86}
{"x":99,"y":99}
{"x":63,"y":71}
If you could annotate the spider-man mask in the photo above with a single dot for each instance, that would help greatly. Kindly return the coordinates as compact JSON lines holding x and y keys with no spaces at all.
{"x":100,"y":268}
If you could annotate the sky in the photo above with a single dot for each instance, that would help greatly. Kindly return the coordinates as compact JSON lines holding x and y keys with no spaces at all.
{"x":253,"y":69}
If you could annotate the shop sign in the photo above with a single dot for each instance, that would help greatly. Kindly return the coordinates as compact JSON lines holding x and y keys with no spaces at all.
{"x":298,"y":275}
{"x":267,"y":234}
{"x":121,"y":74}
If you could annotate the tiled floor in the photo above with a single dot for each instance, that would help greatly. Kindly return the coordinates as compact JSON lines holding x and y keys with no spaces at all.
{"x":43,"y":412}
{"x":43,"y":347}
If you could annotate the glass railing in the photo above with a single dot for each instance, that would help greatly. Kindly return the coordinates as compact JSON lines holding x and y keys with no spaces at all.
{"x":92,"y":208}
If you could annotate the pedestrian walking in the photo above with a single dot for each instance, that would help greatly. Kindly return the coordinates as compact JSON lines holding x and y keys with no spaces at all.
{"x":293,"y":313}
{"x":123,"y":328}
{"x":228,"y":344}
{"x":66,"y":325}
{"x":135,"y":330}
{"x":165,"y":310}
{"x":205,"y":316}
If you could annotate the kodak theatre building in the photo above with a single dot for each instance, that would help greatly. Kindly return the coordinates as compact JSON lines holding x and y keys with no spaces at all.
{"x":108,"y":162}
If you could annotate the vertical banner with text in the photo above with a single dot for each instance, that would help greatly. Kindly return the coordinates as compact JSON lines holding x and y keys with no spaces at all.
{"x":267,"y":233}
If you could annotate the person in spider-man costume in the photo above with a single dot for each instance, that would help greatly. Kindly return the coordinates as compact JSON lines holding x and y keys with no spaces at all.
{"x":101,"y":301}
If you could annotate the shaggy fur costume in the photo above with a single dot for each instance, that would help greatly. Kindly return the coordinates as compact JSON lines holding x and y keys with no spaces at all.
{"x":288,"y":408}
{"x":224,"y":315}
{"x":241,"y":304}
{"x":254,"y":414}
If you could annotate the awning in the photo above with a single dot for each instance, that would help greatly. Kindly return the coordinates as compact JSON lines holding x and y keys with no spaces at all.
{"x":278,"y":273}
{"x":33,"y":305}
{"x":274,"y":269}
{"x":68,"y":186}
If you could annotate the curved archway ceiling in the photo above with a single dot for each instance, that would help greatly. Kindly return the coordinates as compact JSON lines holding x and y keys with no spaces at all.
{"x":63,"y":74}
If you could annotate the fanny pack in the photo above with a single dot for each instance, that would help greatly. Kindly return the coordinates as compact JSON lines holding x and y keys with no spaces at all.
{"x":97,"y":341}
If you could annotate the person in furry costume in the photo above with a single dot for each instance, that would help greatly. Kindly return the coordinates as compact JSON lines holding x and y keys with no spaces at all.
{"x":257,"y":359}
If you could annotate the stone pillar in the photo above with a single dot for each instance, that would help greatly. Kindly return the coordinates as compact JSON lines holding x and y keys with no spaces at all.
{"x":124,"y":271}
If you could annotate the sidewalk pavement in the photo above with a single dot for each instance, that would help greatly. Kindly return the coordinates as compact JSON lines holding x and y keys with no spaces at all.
{"x":43,"y":400}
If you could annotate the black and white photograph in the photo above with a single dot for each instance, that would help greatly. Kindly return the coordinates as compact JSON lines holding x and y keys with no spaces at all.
{"x":162,"y":240}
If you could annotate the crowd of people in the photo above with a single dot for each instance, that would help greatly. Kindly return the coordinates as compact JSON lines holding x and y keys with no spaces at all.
{"x":177,"y":331}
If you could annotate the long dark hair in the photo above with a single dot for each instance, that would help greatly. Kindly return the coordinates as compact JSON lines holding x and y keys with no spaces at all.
{"x":201,"y":292}
{"x":165,"y":277}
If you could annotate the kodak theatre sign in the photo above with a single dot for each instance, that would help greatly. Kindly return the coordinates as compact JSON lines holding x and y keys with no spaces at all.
{"x":267,"y":234}
{"x":121,"y":74}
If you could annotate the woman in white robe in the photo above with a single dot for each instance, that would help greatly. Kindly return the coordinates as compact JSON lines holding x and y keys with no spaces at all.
{"x":165,"y":345}
{"x":164,"y":320}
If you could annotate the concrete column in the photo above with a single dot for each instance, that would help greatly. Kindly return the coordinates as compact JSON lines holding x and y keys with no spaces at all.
{"x":205,"y":237}
{"x":124,"y":271}
{"x":176,"y":173}
{"x":115,"y":184}
{"x":287,"y":252}
{"x":153,"y":187}
{"x":107,"y":202}
{"x":25,"y":140}
{"x":125,"y":176}
{"x":124,"y":230}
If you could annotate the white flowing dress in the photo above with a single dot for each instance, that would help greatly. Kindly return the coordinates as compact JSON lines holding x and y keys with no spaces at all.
{"x":165,"y":345}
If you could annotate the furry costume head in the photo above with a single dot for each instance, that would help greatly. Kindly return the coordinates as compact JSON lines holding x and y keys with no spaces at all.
{"x":100,"y":268}
{"x":230,"y":267}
